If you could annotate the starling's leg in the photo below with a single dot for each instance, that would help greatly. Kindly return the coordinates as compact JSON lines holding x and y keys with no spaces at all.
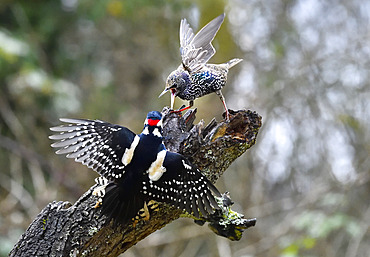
{"x":191,"y":103}
{"x":182,"y":106}
{"x":224,"y":103}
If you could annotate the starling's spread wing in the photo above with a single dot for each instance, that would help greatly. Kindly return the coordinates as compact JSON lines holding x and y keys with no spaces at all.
{"x":183,"y":186}
{"x":102,"y":146}
{"x":197,"y":50}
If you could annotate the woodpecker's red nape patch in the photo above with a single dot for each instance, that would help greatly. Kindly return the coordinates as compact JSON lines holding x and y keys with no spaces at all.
{"x":153,"y":122}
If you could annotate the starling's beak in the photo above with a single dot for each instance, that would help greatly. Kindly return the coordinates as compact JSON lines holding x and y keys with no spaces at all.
{"x":164,"y":91}
{"x":172,"y":95}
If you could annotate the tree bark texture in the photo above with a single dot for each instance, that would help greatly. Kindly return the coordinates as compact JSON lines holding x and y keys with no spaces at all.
{"x":63,"y":229}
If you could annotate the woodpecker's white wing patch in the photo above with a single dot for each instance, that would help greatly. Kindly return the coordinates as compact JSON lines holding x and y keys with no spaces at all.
{"x":156,"y":169}
{"x":129,"y":152}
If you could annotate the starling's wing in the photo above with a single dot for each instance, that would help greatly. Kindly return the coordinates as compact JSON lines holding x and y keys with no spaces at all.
{"x":183,"y":186}
{"x":96,"y":144}
{"x":197,"y":50}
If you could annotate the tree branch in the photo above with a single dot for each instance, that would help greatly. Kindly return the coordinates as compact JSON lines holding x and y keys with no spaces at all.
{"x":63,"y":229}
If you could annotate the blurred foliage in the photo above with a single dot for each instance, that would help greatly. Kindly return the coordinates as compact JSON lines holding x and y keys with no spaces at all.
{"x":305,"y":70}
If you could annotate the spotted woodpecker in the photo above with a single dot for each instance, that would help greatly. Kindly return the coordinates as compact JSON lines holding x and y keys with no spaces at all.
{"x":136,"y":170}
{"x":195,"y":78}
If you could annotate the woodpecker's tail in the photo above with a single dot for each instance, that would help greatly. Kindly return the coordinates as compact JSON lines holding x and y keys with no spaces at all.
{"x":233,"y":62}
{"x":120,"y":206}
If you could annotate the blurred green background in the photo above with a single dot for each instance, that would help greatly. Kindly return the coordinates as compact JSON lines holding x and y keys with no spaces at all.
{"x":306,"y":70}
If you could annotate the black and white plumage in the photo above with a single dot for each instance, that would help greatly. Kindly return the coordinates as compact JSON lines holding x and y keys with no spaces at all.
{"x":135,"y":169}
{"x":195,"y":78}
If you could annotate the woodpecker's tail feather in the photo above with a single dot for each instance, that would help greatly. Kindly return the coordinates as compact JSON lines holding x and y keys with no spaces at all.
{"x":118,"y":206}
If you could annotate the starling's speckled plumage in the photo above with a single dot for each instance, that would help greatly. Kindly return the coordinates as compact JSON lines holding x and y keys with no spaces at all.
{"x":195,"y":78}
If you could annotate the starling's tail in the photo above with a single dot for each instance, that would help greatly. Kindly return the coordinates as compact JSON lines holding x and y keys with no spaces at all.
{"x":118,"y":205}
{"x":233,"y":62}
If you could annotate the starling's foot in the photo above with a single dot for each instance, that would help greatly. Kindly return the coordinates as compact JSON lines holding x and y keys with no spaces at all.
{"x":227,"y":115}
{"x":182,"y":108}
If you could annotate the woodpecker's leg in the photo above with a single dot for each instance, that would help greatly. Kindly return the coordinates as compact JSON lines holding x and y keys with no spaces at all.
{"x":99,"y":191}
{"x":191,"y":103}
{"x":98,"y":203}
{"x":136,"y":220}
{"x":142,"y":214}
{"x":146,"y":212}
{"x":153,"y":205}
{"x":224,"y":103}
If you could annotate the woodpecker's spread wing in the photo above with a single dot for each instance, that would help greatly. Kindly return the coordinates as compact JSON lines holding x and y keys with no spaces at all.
{"x":197,"y":50}
{"x":98,"y":145}
{"x":183,"y":186}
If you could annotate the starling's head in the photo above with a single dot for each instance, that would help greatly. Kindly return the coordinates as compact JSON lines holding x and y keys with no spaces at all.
{"x":176,"y":83}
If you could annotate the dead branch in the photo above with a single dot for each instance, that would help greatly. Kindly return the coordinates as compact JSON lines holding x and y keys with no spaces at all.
{"x":63,"y":229}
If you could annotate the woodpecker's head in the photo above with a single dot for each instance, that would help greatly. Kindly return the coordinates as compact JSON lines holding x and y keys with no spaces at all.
{"x":153,"y":124}
{"x":154,"y":118}
{"x":176,"y":83}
